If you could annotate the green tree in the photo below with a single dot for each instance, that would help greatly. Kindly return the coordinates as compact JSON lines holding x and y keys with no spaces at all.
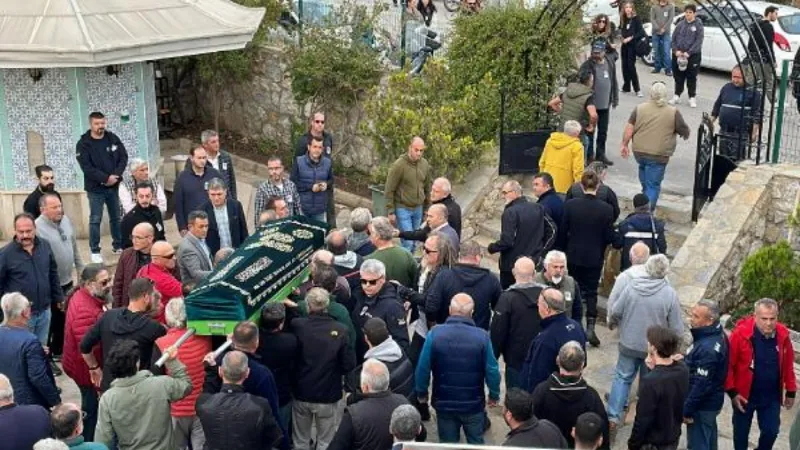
{"x":774,"y":271}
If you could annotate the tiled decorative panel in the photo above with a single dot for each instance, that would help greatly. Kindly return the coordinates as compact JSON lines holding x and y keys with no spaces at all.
{"x":42,"y":107}
{"x":151,"y":110}
{"x":115,"y":96}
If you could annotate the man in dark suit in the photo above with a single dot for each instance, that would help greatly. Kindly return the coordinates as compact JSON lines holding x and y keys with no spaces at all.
{"x":587,"y":228}
{"x":526,"y":230}
{"x":227,"y":226}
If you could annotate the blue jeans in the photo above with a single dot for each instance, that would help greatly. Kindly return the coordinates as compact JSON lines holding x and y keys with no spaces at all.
{"x":621,"y":385}
{"x":662,"y":53}
{"x":39,"y":324}
{"x":651,"y":174}
{"x":408,"y":220}
{"x":769,"y":423}
{"x":512,"y":378}
{"x":702,"y":433}
{"x":89,"y":403}
{"x":110,"y":198}
{"x":450,"y":427}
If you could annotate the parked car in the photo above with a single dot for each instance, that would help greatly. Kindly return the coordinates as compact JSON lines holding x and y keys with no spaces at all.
{"x":725,"y":30}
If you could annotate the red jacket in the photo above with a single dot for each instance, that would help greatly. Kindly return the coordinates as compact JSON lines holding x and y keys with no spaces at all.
{"x":167,"y":285}
{"x":83,"y":311}
{"x":191,"y":354}
{"x":740,"y":376}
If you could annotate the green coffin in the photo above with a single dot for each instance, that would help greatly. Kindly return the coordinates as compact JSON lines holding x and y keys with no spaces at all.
{"x":266,"y":267}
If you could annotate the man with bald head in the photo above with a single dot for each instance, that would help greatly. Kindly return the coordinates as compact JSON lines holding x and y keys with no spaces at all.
{"x":161,"y":271}
{"x":525,"y":230}
{"x":462,"y":360}
{"x":516,"y":320}
{"x":435,"y":220}
{"x":406,"y":189}
{"x":67,"y":424}
{"x":440,"y":194}
{"x":346,"y":262}
{"x":131,"y":260}
{"x":639,"y":254}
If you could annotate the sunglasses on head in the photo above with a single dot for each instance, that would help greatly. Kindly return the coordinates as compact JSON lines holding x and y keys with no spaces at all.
{"x":369,"y":282}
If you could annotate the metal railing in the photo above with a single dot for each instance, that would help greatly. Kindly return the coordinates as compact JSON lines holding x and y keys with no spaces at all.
{"x":786,"y":141}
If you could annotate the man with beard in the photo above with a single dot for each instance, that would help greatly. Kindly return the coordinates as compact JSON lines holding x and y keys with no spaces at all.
{"x":278,"y":185}
{"x":86,"y":306}
{"x":131,"y":260}
{"x":555,"y":275}
{"x":57,"y":230}
{"x":46,"y":185}
{"x":134,"y":322}
{"x":143,"y":211}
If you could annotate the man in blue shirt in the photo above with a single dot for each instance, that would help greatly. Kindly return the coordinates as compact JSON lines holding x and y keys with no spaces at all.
{"x":738,"y":108}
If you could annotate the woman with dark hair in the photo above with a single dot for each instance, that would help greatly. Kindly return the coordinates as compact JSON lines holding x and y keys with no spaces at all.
{"x":426,"y":8}
{"x":632,"y":31}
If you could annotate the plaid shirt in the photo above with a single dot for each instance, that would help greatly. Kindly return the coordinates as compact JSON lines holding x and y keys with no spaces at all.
{"x":223,"y":226}
{"x":289,"y":193}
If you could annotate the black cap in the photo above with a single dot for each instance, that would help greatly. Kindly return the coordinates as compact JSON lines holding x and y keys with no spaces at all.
{"x":640,"y":200}
{"x":588,"y":428}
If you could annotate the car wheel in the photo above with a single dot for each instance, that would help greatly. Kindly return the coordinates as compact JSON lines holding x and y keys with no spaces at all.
{"x":650,"y":58}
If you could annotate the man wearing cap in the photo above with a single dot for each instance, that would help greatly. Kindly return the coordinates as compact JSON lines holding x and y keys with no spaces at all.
{"x":577,"y":103}
{"x":641,"y":226}
{"x":606,"y":96}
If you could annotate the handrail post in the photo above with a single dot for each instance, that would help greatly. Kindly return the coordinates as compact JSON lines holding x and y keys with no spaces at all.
{"x":781,"y":98}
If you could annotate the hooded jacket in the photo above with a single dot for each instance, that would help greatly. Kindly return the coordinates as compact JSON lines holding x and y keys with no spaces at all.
{"x":646,"y":302}
{"x":347,"y":264}
{"x":401,"y":371}
{"x":659,"y":411}
{"x":563,"y":159}
{"x":484,"y":288}
{"x":516,"y":322}
{"x":359,"y":242}
{"x":385,"y":305}
{"x":535,"y":433}
{"x":83,"y":311}
{"x":561,"y":399}
{"x":121,"y":323}
{"x":98,"y":165}
{"x":620,"y":284}
{"x":137,"y":215}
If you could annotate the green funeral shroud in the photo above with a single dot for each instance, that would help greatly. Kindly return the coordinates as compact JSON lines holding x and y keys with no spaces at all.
{"x":266,"y":267}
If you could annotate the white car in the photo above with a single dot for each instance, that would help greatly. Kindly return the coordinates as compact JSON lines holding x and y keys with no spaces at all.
{"x":725,"y":27}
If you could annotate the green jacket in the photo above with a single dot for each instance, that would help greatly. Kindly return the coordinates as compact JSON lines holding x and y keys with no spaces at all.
{"x":408,"y":184}
{"x":137,"y":409}
{"x":77,"y":443}
{"x":339,"y":313}
{"x":574,"y":104}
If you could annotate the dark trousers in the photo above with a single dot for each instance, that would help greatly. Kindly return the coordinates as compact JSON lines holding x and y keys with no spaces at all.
{"x":330,"y":211}
{"x":601,"y":132}
{"x":58,"y":317}
{"x":769,"y":423}
{"x":415,"y":348}
{"x":588,"y":278}
{"x":702,"y":433}
{"x":110,"y":198}
{"x":688,"y":76}
{"x":629,"y":75}
{"x":89,"y":402}
{"x":506,"y":279}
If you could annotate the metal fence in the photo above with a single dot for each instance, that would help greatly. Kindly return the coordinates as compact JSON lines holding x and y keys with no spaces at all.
{"x":786,"y":141}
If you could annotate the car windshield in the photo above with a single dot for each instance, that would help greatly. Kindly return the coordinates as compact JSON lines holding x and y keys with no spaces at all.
{"x":790,"y":24}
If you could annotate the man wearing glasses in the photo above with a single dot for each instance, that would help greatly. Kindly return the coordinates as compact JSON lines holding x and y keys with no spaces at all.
{"x":316,"y":129}
{"x":161,"y":272}
{"x":131,"y":260}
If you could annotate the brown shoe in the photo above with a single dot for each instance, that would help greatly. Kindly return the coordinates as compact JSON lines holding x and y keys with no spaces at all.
{"x":612,"y":433}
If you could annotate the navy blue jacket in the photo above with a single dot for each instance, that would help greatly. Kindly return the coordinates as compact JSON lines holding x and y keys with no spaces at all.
{"x":541,"y":360}
{"x":305,"y":174}
{"x":23,"y":425}
{"x":34,"y":276}
{"x":437,"y":298}
{"x":737,"y":108}
{"x":190,"y":192}
{"x":552,"y":204}
{"x":22,"y":360}
{"x":638,"y":227}
{"x":98,"y":165}
{"x":462,"y":360}
{"x":236,"y":221}
{"x":386,"y":306}
{"x":707,"y":360}
{"x":484,"y":288}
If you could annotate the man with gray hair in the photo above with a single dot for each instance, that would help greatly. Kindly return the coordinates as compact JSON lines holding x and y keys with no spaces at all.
{"x":365,"y":424}
{"x":462,"y":360}
{"x":562,"y":157}
{"x":707,"y":361}
{"x":359,"y":241}
{"x":435,"y":221}
{"x":222,"y":254}
{"x":565,"y":395}
{"x":227,"y":224}
{"x":51,"y":444}
{"x":233,"y":418}
{"x":405,"y":425}
{"x":376,"y":297}
{"x":400,"y":265}
{"x":638,"y":254}
{"x":555,"y":275}
{"x":646,"y":302}
{"x":477,"y":282}
{"x":441,"y":194}
{"x":218,"y":159}
{"x":557,"y":330}
{"x":20,"y":425}
{"x":139,"y":173}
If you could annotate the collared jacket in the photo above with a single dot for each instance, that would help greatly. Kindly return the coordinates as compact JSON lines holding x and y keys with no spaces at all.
{"x":237,"y":224}
{"x":408,"y":184}
{"x":31,"y":205}
{"x":127,"y":268}
{"x":302,"y":144}
{"x":741,"y":360}
{"x":365,"y":424}
{"x":556,"y":331}
{"x":525,"y":230}
{"x":98,"y":166}
{"x":23,"y":361}
{"x":83,"y":311}
{"x":21,"y":426}
{"x":305,"y":174}
{"x":190,"y":192}
{"x":226,"y":170}
{"x":641,"y":227}
{"x":553,"y":205}
{"x":194,"y":259}
{"x":563,"y":159}
{"x":453,"y":212}
{"x":385,"y":305}
{"x":707,"y":360}
{"x":234,"y":419}
{"x":137,"y":215}
{"x":33,"y":275}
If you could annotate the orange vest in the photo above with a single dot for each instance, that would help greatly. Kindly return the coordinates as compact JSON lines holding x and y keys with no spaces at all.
{"x":191,"y":354}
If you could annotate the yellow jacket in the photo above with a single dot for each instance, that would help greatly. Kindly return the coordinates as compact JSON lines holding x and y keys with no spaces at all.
{"x":563,"y":160}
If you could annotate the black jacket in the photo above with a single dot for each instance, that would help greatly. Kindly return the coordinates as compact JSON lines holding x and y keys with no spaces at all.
{"x":659,"y":411}
{"x":587,"y":228}
{"x":562,"y":399}
{"x":226,"y":171}
{"x":535,"y":433}
{"x":453,"y":212}
{"x":401,"y":371}
{"x":484,"y":288}
{"x":31,"y":205}
{"x":137,"y":215}
{"x":324,"y":357}
{"x":236,"y":221}
{"x":278,"y":351}
{"x":365,"y":424}
{"x":640,"y":227}
{"x":120,"y":323}
{"x":526,"y":230}
{"x":302,"y":144}
{"x":759,"y":47}
{"x":33,"y":275}
{"x":515,"y":323}
{"x":190,"y":193}
{"x":604,"y":193}
{"x":386,"y":306}
{"x":235,"y":420}
{"x":98,"y":165}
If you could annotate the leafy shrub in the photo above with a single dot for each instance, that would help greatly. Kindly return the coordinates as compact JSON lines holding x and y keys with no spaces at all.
{"x":774,"y":272}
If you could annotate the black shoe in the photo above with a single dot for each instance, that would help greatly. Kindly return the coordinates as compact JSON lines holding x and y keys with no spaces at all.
{"x":487,"y":424}
{"x":606,"y":161}
{"x":669,"y":74}
{"x":594,"y":341}
{"x":655,"y":71}
{"x":56,"y":370}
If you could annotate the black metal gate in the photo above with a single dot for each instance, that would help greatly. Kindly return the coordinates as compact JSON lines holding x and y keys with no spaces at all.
{"x":704,"y":159}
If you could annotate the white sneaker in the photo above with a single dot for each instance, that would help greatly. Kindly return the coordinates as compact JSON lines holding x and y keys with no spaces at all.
{"x":692,"y":102}
{"x":97,"y":258}
{"x":675,"y":100}
{"x":639,"y":94}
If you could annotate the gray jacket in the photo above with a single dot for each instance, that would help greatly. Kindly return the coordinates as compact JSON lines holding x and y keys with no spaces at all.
{"x":688,"y":37}
{"x":662,"y":17}
{"x":643,"y":303}
{"x":64,"y":246}
{"x":620,"y":284}
{"x":194,"y":261}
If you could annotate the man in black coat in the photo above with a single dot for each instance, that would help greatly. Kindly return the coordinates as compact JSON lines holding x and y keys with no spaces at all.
{"x":46,"y":185}
{"x":440,"y":193}
{"x":477,"y":282}
{"x":144,"y":211}
{"x":564,"y":396}
{"x":227,"y":225}
{"x":384,"y":349}
{"x":526,"y":230}
{"x":277,"y":350}
{"x":604,"y":193}
{"x":527,"y":430}
{"x":516,"y":320}
{"x":233,"y":419}
{"x":587,"y":229}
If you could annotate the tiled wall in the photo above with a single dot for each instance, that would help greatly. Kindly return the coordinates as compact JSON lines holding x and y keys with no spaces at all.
{"x":151,"y":111}
{"x":115,"y":96}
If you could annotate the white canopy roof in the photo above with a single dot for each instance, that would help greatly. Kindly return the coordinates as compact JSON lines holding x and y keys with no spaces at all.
{"x":89,"y":33}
